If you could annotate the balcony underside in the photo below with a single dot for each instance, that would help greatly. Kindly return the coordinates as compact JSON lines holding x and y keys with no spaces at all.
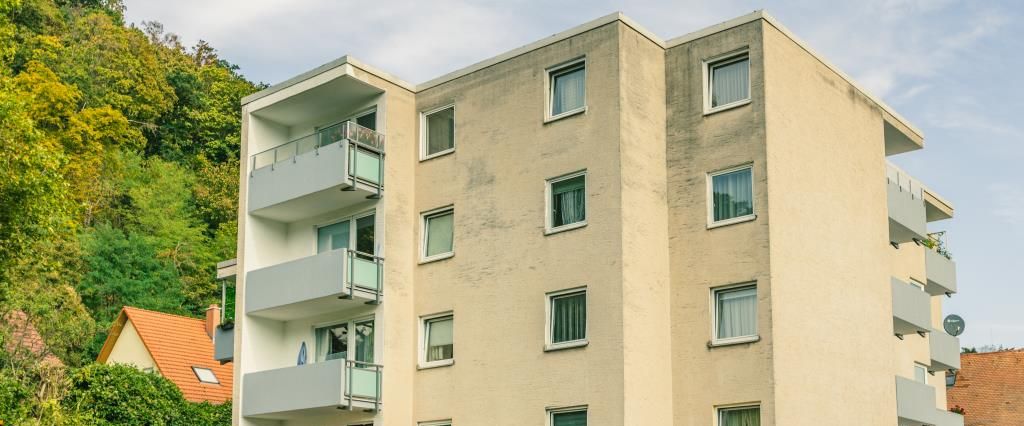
{"x":311,"y":286}
{"x":310,"y":184}
{"x":911,"y":309}
{"x":941,"y":272}
{"x":308,"y":390}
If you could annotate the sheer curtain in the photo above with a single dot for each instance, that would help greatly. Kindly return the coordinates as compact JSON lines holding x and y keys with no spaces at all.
{"x":440,"y":231}
{"x":364,"y":341}
{"x":440,"y":131}
{"x":741,"y":417}
{"x":568,"y":91}
{"x":730,"y":82}
{"x":737,"y":312}
{"x":569,"y":318}
{"x":569,"y":201}
{"x":440,"y":340}
{"x":733,"y":195}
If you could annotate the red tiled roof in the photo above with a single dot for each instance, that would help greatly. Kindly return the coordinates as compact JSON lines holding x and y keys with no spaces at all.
{"x":177,"y":344}
{"x":24,"y":335}
{"x":990,"y":388}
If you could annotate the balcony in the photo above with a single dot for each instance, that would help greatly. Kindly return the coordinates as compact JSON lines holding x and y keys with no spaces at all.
{"x":907,"y":216}
{"x":224,"y":343}
{"x":313,"y":285}
{"x":915,"y":403}
{"x":311,"y":389}
{"x":945,"y":351}
{"x":911,"y":309}
{"x":337,"y":166}
{"x":941,"y":273}
{"x":946,"y":418}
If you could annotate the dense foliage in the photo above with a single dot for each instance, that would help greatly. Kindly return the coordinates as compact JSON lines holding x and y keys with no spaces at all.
{"x":118,"y":182}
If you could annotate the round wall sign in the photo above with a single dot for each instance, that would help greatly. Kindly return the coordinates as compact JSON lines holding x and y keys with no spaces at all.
{"x":954,"y":325}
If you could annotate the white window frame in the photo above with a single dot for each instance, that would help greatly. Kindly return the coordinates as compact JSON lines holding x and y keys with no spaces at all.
{"x":722,"y":408}
{"x":571,"y":409}
{"x":351,"y":324}
{"x":549,"y":298}
{"x":715,"y":341}
{"x":724,"y":59}
{"x":195,"y":370}
{"x":436,"y":423}
{"x":918,"y":284}
{"x":711,"y":197}
{"x":549,"y":208}
{"x":423,"y":133}
{"x":423,"y":234}
{"x":351,"y":229}
{"x":922,"y":367}
{"x":549,"y":88}
{"x":423,"y":363}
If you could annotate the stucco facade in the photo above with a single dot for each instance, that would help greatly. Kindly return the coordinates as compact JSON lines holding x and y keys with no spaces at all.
{"x":817,"y":246}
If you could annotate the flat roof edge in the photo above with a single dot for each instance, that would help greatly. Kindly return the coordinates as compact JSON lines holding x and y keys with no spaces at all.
{"x":763,"y":15}
{"x":347,"y":59}
{"x":546,"y":41}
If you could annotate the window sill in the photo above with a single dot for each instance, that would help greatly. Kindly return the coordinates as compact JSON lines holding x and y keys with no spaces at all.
{"x":735,"y":341}
{"x":566,"y":114}
{"x":733,"y":221}
{"x":726,"y":107}
{"x":436,"y":364}
{"x":437,"y":154}
{"x":567,"y":345}
{"x":437,"y":257}
{"x":563,"y":228}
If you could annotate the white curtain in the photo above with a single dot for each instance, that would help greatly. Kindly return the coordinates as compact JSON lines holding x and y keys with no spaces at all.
{"x":440,"y":340}
{"x":733,"y":195}
{"x":730,"y":83}
{"x":741,"y":417}
{"x":440,"y":131}
{"x":569,"y":201}
{"x":364,"y":341}
{"x":440,"y":231}
{"x":569,"y":318}
{"x":568,"y":91}
{"x":737,"y":312}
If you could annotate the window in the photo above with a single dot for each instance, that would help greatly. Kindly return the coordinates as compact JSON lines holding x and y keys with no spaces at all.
{"x":739,"y":416}
{"x":920,"y":373}
{"x":333,"y":341}
{"x":357,"y":233}
{"x":735,"y":312}
{"x":731,"y":194}
{"x":205,"y":375}
{"x":438,"y":341}
{"x":567,"y":202}
{"x":438,"y":132}
{"x":367,"y":119}
{"x":727,"y":82}
{"x":568,"y":89}
{"x":437,"y":423}
{"x":567,"y":319}
{"x":438,"y":234}
{"x":574,"y":416}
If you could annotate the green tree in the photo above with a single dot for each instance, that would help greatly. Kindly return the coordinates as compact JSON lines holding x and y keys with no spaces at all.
{"x":121,"y":394}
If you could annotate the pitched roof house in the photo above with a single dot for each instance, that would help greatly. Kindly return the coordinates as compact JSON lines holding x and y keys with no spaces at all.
{"x":990,"y":388}
{"x":176,"y":347}
{"x":24,"y":336}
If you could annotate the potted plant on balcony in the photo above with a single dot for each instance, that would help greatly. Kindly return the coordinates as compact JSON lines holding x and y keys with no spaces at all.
{"x":936,"y":242}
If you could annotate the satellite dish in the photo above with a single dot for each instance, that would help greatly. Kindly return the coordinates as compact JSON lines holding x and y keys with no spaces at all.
{"x":953,"y":324}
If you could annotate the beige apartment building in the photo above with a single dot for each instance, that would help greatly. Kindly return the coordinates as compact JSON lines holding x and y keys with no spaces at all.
{"x":599,"y":228}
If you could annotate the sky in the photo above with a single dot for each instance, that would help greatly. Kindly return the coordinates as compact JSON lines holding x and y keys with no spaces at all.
{"x":947,"y":66}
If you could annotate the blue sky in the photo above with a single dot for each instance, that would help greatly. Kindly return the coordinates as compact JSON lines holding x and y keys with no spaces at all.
{"x":950,"y":67}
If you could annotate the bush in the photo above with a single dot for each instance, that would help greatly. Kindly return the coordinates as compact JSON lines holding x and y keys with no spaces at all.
{"x":121,"y":394}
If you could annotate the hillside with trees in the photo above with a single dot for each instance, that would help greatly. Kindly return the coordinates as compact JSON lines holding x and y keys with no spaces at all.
{"x":118,"y":182}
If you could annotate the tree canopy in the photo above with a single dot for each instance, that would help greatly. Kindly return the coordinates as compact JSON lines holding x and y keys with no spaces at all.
{"x":118,"y":179}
